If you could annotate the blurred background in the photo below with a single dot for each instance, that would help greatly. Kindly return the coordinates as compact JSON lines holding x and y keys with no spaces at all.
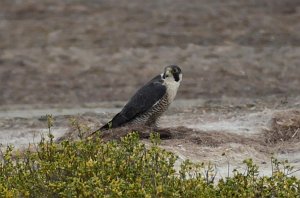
{"x":71,"y":52}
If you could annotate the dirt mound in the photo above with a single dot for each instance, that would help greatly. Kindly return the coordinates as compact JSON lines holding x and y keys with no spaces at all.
{"x":117,"y":133}
{"x":285,"y":126}
{"x":201,"y":138}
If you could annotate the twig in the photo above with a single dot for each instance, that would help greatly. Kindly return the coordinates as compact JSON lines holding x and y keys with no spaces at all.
{"x":295,"y":132}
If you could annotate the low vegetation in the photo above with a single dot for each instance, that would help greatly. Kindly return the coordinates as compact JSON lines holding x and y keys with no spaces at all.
{"x":92,"y":167}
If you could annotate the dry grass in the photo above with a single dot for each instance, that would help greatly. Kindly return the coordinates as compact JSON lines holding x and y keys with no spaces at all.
{"x":285,"y":126}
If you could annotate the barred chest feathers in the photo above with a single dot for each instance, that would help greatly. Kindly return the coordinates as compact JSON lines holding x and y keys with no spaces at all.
{"x":150,"y":117}
{"x":150,"y":101}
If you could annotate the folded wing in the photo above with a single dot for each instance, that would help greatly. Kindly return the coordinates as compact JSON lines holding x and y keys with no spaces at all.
{"x":141,"y":102}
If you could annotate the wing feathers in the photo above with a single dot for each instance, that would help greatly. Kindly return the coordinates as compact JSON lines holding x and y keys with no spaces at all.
{"x":141,"y":101}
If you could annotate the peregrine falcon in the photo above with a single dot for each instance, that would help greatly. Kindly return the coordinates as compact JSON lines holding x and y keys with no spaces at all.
{"x":150,"y":101}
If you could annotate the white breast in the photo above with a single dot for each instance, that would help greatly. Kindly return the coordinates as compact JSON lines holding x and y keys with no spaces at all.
{"x":172,"y":87}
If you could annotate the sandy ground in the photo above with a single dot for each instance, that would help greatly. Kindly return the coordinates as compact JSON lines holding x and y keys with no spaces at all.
{"x":218,"y":132}
{"x":240,"y":61}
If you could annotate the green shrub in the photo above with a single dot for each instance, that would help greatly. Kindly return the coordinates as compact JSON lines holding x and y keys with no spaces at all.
{"x":250,"y":184}
{"x":127,"y":168}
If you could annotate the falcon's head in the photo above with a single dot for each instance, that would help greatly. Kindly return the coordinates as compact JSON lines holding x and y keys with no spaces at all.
{"x":172,"y":71}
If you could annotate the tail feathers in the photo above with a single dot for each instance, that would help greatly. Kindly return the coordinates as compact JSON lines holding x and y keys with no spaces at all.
{"x":103,"y":128}
{"x":106,"y":126}
{"x":117,"y":121}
